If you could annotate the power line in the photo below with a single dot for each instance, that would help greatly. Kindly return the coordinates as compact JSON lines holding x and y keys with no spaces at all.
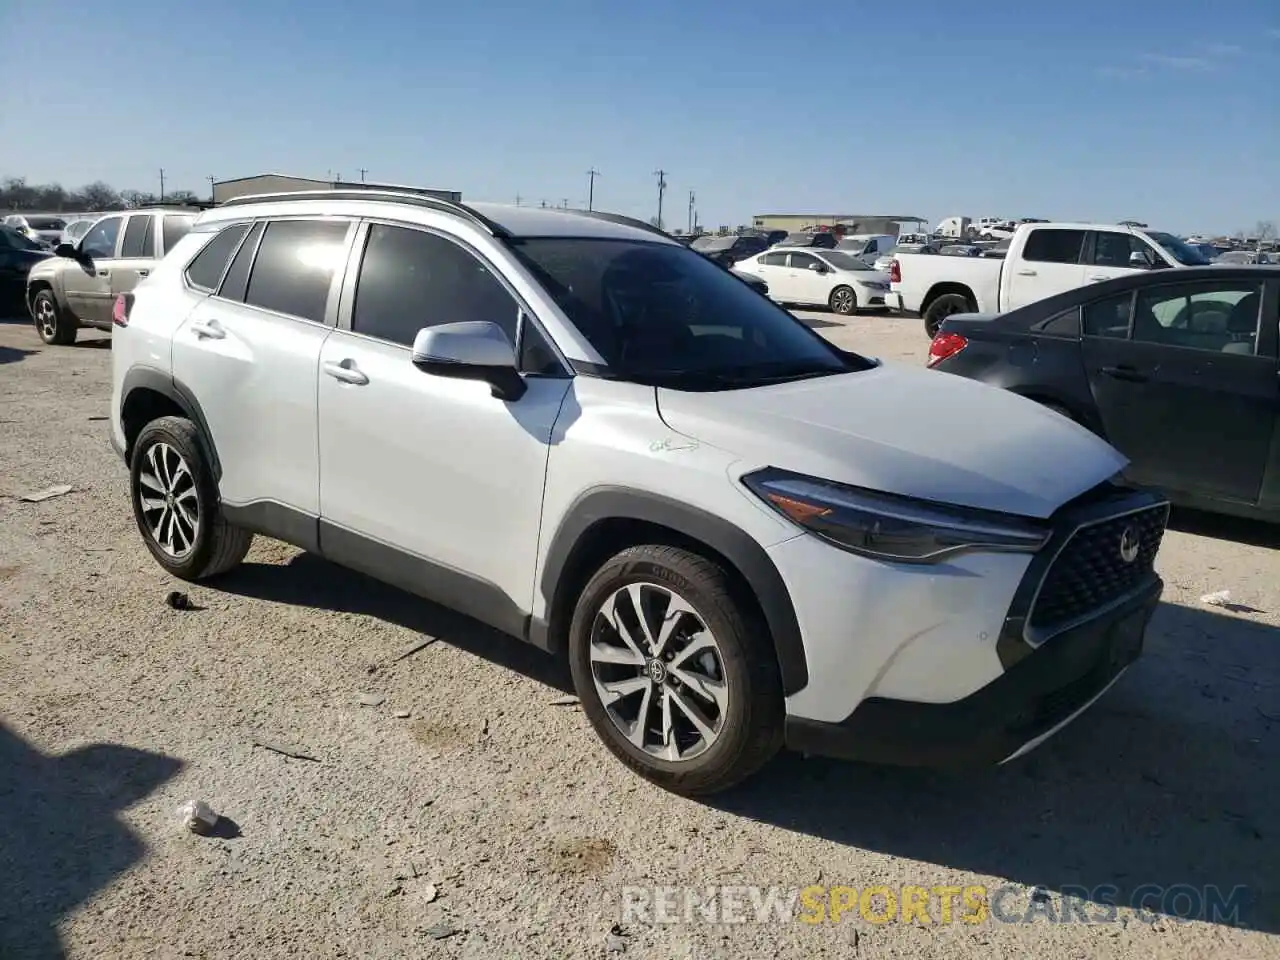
{"x":662,"y":188}
{"x":591,"y":187}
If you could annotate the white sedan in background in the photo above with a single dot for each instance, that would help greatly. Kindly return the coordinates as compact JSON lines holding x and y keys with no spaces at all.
{"x":809,"y":277}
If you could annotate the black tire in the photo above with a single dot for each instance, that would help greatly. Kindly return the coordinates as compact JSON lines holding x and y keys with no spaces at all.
{"x":216,"y":546}
{"x":752,"y":731}
{"x":55,"y":325}
{"x":943,"y":307}
{"x":844,"y":301}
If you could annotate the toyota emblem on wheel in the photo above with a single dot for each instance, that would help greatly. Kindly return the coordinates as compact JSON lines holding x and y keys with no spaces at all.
{"x":1129,"y":545}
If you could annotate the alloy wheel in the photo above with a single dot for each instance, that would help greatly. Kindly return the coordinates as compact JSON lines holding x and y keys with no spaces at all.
{"x":46,"y":318}
{"x":170,"y":505}
{"x":844,"y":301}
{"x":658,"y":671}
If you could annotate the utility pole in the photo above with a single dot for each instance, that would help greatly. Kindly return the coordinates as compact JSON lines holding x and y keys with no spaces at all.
{"x":691,"y":217}
{"x":212,"y":181}
{"x":662,"y":188}
{"x":591,"y":187}
{"x":363,"y":171}
{"x":518,"y":199}
{"x":544,"y":204}
{"x":565,"y":203}
{"x":162,"y":184}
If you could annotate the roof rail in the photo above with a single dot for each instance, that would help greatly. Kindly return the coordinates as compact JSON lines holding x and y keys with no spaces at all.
{"x":621,"y":220}
{"x":388,"y":196}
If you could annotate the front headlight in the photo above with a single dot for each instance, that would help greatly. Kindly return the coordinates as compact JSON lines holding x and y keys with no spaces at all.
{"x":887,"y":527}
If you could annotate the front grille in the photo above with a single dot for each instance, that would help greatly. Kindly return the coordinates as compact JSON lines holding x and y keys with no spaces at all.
{"x":1090,"y":571}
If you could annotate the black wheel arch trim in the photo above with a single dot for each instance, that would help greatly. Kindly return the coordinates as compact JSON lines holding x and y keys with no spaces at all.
{"x":748,"y":557}
{"x":151,"y":378}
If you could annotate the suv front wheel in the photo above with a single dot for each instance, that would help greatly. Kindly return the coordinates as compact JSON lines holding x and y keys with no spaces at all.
{"x":674,"y":670}
{"x":176,"y":504}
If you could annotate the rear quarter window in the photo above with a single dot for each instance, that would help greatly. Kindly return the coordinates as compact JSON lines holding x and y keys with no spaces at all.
{"x":205,"y":271}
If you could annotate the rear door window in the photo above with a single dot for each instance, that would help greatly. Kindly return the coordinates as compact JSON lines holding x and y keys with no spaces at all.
{"x":135,"y":237}
{"x":1054,"y":246}
{"x":236,"y":282}
{"x":294,"y":267}
{"x":1108,"y":318}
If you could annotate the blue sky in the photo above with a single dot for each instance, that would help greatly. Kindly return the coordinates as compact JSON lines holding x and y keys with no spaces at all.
{"x":1167,"y":112}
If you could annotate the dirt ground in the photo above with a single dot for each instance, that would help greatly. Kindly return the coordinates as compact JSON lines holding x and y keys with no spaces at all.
{"x":453,"y":807}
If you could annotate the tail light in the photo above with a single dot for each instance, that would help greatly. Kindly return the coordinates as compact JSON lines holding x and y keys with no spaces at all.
{"x":895,"y":271}
{"x":946,"y":345}
{"x":121,"y":308}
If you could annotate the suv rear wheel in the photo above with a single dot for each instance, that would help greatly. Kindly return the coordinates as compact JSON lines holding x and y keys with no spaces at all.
{"x":176,"y":504}
{"x":55,"y":326}
{"x":674,"y":671}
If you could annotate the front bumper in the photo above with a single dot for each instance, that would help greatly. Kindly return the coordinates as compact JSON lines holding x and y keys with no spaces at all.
{"x":1034,"y":699}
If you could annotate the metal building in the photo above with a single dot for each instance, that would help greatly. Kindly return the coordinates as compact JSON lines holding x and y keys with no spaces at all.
{"x":224,"y":190}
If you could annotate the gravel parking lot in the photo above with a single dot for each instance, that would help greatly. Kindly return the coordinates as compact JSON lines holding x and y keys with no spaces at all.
{"x":452,"y":807}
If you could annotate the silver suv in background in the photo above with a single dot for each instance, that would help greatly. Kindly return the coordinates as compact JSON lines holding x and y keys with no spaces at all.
{"x":77,"y":287}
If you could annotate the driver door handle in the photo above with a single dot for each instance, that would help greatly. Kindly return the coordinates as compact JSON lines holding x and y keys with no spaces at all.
{"x":104,"y":273}
{"x":143,"y":273}
{"x":1026,"y":273}
{"x":208,"y":330}
{"x":347,"y":372}
{"x":1128,"y":374}
{"x":1098,"y":279}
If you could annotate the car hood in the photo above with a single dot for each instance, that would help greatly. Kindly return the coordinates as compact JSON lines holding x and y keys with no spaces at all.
{"x":906,"y":431}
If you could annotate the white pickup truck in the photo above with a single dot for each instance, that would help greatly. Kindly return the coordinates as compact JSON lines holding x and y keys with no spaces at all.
{"x":1043,"y":259}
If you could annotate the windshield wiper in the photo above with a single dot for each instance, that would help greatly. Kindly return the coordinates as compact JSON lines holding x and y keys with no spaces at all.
{"x":754,"y":375}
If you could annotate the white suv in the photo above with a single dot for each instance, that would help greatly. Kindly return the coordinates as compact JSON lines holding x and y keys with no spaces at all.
{"x":576,"y":430}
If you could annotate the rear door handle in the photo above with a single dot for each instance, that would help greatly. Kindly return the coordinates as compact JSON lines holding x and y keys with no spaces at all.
{"x":346,"y":371}
{"x":1026,"y":273}
{"x":1098,"y":279}
{"x":1128,"y":374}
{"x":104,"y":273}
{"x":143,"y":273}
{"x":208,"y":330}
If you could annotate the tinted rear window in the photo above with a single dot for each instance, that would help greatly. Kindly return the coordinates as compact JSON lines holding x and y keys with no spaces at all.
{"x":295,"y":265}
{"x":206,"y":269}
{"x":174,"y":229}
{"x":1054,"y":246}
{"x":135,"y":237}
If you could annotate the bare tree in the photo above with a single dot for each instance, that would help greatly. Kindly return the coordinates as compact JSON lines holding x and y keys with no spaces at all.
{"x":1264,"y":230}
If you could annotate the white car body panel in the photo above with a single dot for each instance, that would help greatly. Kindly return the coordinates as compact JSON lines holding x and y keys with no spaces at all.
{"x":882,"y":430}
{"x":459,"y":473}
{"x":805,"y":287}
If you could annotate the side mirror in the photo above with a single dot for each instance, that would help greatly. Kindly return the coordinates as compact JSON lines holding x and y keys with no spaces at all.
{"x":472,"y":350}
{"x":1138,"y":259}
{"x":817,"y":268}
{"x":65,"y":250}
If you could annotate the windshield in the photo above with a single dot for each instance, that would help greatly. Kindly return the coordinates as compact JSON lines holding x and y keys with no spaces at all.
{"x":659,"y":314}
{"x":720,"y":243}
{"x":1186,"y":255}
{"x":46,"y":223}
{"x":844,"y":261}
{"x":703,"y":242}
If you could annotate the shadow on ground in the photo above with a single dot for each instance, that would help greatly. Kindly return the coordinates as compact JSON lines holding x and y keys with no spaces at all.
{"x":1169,"y":780}
{"x":14,"y":354}
{"x":60,"y":838}
{"x":1220,"y":527}
{"x":310,"y":581}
